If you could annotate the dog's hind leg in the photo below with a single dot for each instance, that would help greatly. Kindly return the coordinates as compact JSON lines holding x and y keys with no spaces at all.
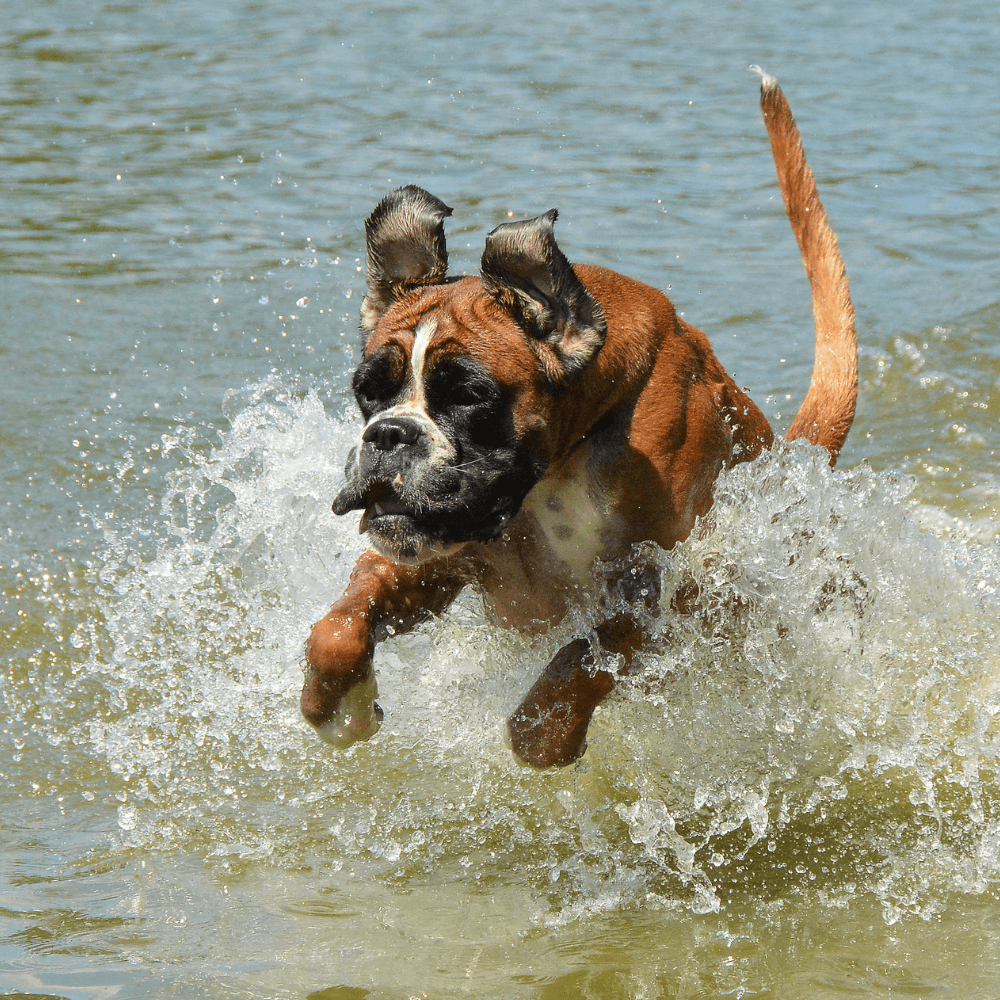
{"x":549,"y":727}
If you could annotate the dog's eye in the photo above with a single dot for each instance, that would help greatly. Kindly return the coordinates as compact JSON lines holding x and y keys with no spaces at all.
{"x":376,"y":381}
{"x":469,"y":394}
{"x":366,"y":392}
{"x":454,"y":385}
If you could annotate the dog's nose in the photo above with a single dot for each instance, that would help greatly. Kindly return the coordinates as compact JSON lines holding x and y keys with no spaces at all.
{"x":391,"y":433}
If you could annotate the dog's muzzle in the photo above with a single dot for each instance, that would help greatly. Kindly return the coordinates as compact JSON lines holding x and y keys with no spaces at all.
{"x":425,"y":494}
{"x":400,"y":477}
{"x":390,"y":433}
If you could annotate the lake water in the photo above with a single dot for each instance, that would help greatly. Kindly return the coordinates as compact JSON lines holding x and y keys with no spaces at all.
{"x":799,"y":796}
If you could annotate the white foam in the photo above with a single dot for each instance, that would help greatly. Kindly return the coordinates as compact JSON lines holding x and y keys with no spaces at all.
{"x":842,"y":666}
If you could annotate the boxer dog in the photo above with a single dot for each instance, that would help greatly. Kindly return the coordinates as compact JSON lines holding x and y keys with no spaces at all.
{"x":525,"y":422}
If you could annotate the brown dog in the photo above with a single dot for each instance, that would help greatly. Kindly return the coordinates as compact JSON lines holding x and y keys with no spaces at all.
{"x":525,"y":422}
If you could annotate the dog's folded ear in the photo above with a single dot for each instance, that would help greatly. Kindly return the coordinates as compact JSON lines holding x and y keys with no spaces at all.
{"x":406,"y":248}
{"x":526,"y":272}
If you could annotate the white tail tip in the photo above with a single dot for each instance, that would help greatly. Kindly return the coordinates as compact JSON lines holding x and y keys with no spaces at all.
{"x":767,"y":82}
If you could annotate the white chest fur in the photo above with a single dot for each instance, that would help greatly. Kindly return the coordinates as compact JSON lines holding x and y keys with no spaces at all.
{"x":568,"y":507}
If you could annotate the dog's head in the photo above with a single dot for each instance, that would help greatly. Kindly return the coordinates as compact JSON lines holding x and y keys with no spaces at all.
{"x":462,"y":379}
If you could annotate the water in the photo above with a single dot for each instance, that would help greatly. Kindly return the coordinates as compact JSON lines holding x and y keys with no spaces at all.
{"x":798,"y":795}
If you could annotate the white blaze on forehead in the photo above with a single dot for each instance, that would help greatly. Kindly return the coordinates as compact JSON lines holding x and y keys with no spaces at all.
{"x":415,"y":405}
{"x":422,"y":335}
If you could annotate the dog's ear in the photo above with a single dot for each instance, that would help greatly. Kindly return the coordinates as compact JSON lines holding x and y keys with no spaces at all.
{"x":526,"y":272}
{"x":406,"y":248}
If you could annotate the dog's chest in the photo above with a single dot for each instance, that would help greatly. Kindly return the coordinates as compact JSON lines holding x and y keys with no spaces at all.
{"x":568,"y":507}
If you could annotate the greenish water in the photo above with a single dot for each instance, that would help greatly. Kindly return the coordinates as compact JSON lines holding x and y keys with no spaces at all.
{"x":799,"y":796}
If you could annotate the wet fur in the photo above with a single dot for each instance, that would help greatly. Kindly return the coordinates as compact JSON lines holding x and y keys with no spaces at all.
{"x":525,"y":421}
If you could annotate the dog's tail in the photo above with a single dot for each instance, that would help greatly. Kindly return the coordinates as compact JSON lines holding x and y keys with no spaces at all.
{"x":827,"y":411}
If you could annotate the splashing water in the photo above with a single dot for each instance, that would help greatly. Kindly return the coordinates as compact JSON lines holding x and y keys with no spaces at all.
{"x":824,"y":721}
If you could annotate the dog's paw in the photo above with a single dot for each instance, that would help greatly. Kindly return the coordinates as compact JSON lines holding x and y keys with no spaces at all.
{"x":556,"y":740}
{"x":341,"y":716}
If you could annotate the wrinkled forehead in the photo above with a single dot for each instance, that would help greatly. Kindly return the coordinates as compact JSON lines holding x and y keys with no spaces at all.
{"x":408,"y":336}
{"x":434,"y":325}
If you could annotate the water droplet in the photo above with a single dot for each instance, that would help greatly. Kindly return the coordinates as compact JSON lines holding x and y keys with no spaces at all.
{"x":126,"y":817}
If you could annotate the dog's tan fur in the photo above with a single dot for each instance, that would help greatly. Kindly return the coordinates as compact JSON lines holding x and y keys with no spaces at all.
{"x":630,"y":428}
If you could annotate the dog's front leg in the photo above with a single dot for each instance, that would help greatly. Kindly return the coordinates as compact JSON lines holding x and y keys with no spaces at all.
{"x":338,"y":695}
{"x":549,"y":727}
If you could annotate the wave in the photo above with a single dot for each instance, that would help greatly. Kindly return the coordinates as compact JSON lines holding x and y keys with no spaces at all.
{"x":825,"y":721}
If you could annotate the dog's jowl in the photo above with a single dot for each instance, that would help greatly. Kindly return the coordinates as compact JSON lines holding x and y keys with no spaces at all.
{"x":521,"y":423}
